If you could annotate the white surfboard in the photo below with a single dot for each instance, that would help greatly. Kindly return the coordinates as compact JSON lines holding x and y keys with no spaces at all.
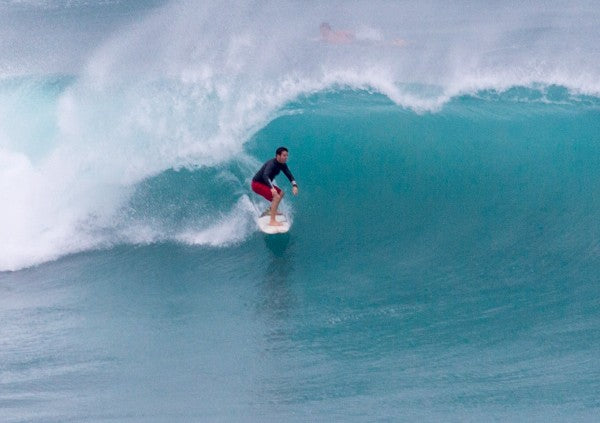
{"x":263,"y":224}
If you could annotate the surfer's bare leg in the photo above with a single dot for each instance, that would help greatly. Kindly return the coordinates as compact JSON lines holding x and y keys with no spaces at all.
{"x":274,"y":205}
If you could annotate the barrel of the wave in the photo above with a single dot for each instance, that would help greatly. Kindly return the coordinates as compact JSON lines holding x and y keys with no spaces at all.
{"x":272,"y":221}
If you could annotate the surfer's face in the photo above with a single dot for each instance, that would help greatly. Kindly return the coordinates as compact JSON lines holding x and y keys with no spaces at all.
{"x":282,"y":158}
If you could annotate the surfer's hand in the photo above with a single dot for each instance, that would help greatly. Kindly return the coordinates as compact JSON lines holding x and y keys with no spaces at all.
{"x":295,"y":190}
{"x":274,"y":192}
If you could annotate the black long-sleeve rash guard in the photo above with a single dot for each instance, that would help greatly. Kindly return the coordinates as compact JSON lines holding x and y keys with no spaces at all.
{"x":270,"y":170}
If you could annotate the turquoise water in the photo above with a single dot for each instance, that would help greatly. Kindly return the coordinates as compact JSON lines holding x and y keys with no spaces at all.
{"x":444,"y":255}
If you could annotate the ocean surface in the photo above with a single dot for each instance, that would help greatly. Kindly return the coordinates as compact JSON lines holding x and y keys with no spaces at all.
{"x":444,"y":258}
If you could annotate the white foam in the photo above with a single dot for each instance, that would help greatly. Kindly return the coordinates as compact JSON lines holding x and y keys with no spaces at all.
{"x":39,"y":221}
{"x":225,"y":230}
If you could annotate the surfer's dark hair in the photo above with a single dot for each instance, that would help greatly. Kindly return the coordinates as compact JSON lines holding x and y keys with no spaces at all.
{"x":280,"y":150}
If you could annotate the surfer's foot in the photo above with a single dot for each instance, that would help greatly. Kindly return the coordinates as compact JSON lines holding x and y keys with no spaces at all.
{"x":275,"y":223}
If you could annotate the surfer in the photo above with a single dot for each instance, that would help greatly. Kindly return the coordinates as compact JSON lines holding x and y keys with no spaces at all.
{"x":262,"y":183}
{"x":335,"y":36}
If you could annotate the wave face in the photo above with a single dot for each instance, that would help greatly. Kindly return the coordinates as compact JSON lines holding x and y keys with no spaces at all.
{"x":141,"y":123}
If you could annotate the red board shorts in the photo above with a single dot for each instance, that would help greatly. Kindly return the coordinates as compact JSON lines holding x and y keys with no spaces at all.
{"x":265,"y":191}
